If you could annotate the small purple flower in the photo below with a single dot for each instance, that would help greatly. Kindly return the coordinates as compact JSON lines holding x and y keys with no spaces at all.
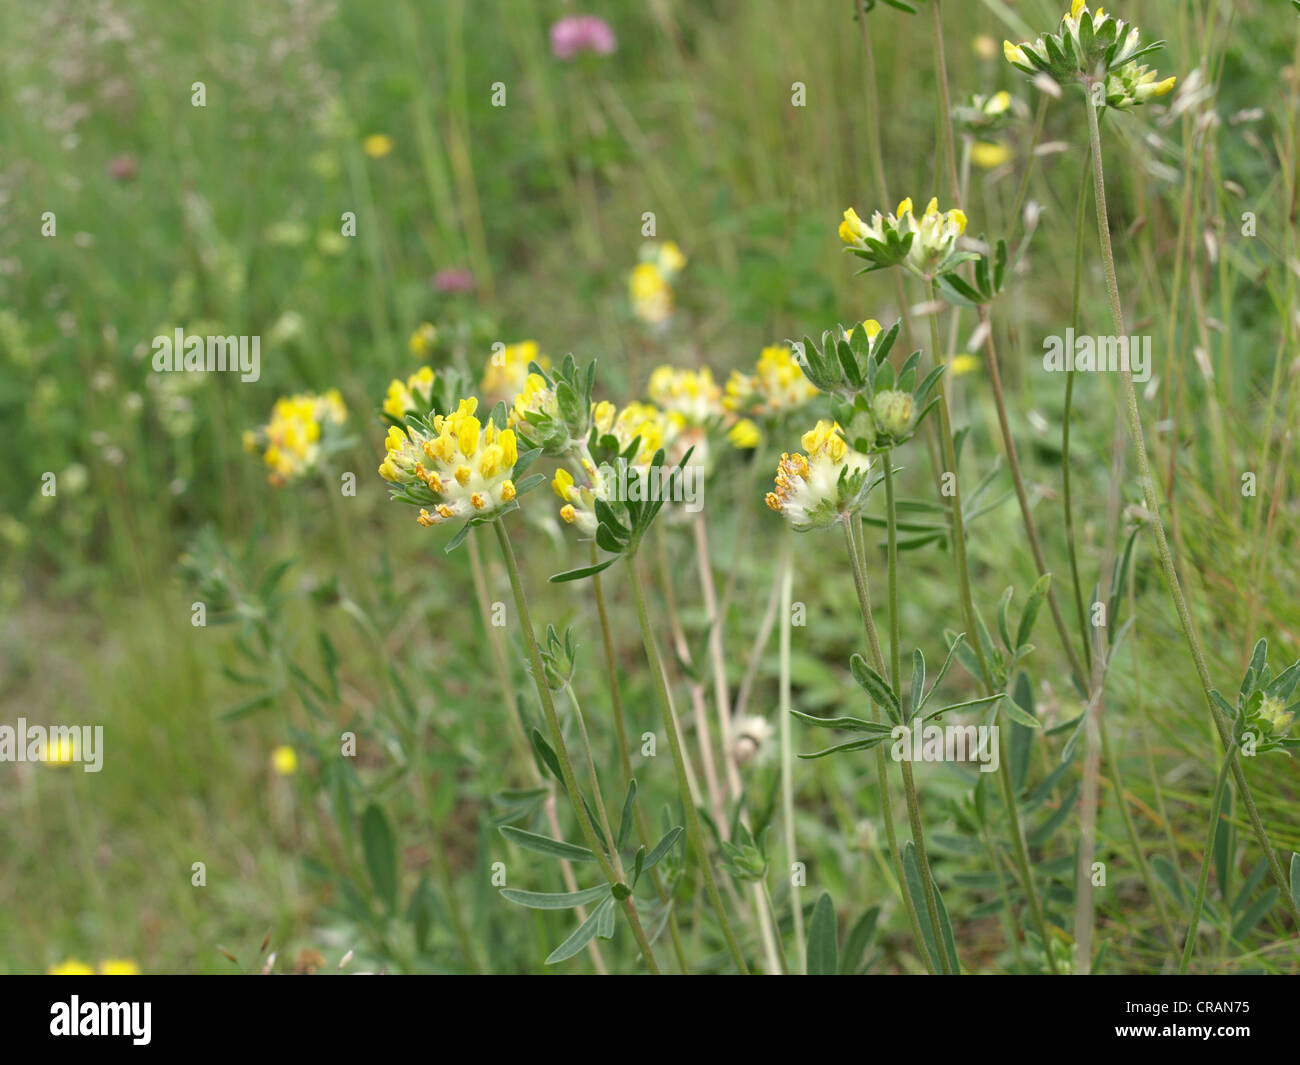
{"x":453,"y":279}
{"x":572,"y":36}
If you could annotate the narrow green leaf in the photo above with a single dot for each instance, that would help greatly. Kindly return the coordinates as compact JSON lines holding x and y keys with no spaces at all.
{"x":545,"y":845}
{"x":849,"y":724}
{"x":875,"y":686}
{"x":581,"y":937}
{"x":663,"y":847}
{"x":823,"y":939}
{"x":625,"y":822}
{"x":564,"y":900}
{"x":381,"y":854}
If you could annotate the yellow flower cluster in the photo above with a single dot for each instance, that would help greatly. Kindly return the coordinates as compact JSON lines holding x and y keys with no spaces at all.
{"x":777,"y":385}
{"x":934,"y":234}
{"x":655,"y":428}
{"x":507,"y":370}
{"x":469,"y":465}
{"x":413,"y":395}
{"x":693,"y":394}
{"x":290,"y":441}
{"x":423,"y":339}
{"x":818,"y":488}
{"x":579,"y":500}
{"x":650,"y":284}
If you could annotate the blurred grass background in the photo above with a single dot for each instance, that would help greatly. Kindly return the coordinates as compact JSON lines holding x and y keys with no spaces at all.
{"x":226,"y":219}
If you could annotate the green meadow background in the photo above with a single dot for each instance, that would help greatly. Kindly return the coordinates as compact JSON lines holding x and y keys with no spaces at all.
{"x":226,"y":219}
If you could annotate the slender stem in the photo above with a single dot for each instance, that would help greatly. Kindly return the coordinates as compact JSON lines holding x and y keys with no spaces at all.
{"x":717,"y":654}
{"x":1026,"y":514}
{"x":611,"y":669}
{"x":561,"y":749}
{"x":1228,"y":762}
{"x":895,"y":674}
{"x":786,"y":569}
{"x":523,"y":748}
{"x":895,"y":622}
{"x":882,"y":767}
{"x":954,"y":501}
{"x":1152,"y":505}
{"x":1070,"y":540}
{"x":694,"y":834}
{"x":1019,"y":851}
{"x":776,"y":926}
{"x":625,"y":758}
{"x":601,"y":813}
{"x":698,"y":703}
{"x":1130,"y":828}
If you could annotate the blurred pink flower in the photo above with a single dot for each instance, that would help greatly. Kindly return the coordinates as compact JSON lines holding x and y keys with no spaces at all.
{"x":122,"y":167}
{"x":576,"y":34}
{"x":453,"y":279}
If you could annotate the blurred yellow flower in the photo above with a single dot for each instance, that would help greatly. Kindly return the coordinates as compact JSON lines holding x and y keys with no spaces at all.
{"x":60,"y":751}
{"x":987,"y":155}
{"x":118,"y":967}
{"x":377,"y":145}
{"x":744,"y":434}
{"x":507,"y":370}
{"x":652,"y":296}
{"x":71,"y":967}
{"x":985,"y":46}
{"x":650,"y":284}
{"x":423,"y":339}
{"x":284,"y":760}
{"x":292,"y":437}
{"x":691,"y":393}
{"x":960,"y":364}
{"x":777,"y":384}
{"x":416,"y":392}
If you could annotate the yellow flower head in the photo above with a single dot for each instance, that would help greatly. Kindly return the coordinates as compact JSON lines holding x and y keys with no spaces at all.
{"x":284,"y":760}
{"x":988,"y":155}
{"x":118,"y":967}
{"x":464,"y":468}
{"x":691,"y":393}
{"x":777,"y":385}
{"x":415,"y":394}
{"x":934,"y":236}
{"x":71,"y":967}
{"x":291,"y":440}
{"x":651,"y":294}
{"x":579,"y":501}
{"x":60,"y":751}
{"x":507,"y":370}
{"x":423,"y":339}
{"x":822,"y":485}
{"x":377,"y":145}
{"x":650,"y":285}
{"x":744,"y":434}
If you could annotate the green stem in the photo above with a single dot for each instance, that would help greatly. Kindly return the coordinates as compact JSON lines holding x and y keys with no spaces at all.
{"x":776,"y":928}
{"x":895,"y":674}
{"x":611,"y":669}
{"x":787,"y":742}
{"x":1005,"y":784}
{"x":1070,"y":540}
{"x":882,"y":767}
{"x":1152,"y":505}
{"x":601,"y":812}
{"x":561,"y":749}
{"x":1228,"y":762}
{"x":625,"y":759}
{"x":693,"y":831}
